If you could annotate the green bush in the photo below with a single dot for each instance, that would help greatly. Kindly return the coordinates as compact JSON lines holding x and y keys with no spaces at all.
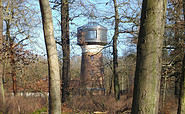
{"x":39,"y":111}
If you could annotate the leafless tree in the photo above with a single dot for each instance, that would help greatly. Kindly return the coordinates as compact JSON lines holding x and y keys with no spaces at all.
{"x":2,"y":97}
{"x":54,"y":75}
{"x":149,"y":57}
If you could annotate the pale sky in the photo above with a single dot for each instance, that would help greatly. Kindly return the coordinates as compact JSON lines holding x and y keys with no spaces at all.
{"x":101,"y":9}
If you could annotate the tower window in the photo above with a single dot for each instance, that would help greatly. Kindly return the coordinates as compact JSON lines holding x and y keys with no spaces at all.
{"x":92,"y":74}
{"x":92,"y":34}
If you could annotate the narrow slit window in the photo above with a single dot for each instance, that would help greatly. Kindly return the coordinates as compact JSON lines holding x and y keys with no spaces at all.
{"x":92,"y":74}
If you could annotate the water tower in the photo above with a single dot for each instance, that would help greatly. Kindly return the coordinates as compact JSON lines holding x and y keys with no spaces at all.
{"x":92,"y":38}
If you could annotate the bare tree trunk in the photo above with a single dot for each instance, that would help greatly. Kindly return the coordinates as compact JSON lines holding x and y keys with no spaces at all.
{"x":181,"y":105}
{"x":177,"y":11}
{"x":115,"y":54}
{"x":54,"y":75}
{"x":66,"y":49}
{"x":149,"y":58}
{"x":2,"y":97}
{"x":12,"y":61}
{"x":13,"y":69}
{"x":12,"y":57}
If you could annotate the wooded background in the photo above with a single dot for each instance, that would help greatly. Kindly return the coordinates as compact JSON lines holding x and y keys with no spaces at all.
{"x":143,"y":60}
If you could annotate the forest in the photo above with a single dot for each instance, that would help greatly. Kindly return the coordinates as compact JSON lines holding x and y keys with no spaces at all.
{"x":92,"y":57}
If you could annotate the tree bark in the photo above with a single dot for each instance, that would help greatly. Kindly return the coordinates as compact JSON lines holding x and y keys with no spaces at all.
{"x":149,"y":58}
{"x":53,"y":66}
{"x":66,"y":49}
{"x":181,"y":105}
{"x":12,"y":57}
{"x":13,"y":69}
{"x":115,"y":54}
{"x":177,"y":11}
{"x":2,"y":97}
